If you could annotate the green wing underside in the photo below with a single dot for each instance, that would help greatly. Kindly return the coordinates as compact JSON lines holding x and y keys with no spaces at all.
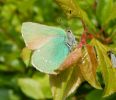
{"x":35,"y":35}
{"x":48,"y":43}
{"x":49,"y":57}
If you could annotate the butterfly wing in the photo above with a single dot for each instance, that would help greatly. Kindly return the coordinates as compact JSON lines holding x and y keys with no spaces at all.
{"x":35,"y":35}
{"x":49,"y":57}
{"x":113,"y":59}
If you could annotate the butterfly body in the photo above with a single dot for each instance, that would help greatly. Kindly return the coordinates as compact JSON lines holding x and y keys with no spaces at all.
{"x":113,"y":59}
{"x":70,"y":39}
{"x":51,"y":45}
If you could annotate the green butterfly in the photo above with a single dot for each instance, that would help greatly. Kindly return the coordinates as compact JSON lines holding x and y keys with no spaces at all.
{"x":51,"y":45}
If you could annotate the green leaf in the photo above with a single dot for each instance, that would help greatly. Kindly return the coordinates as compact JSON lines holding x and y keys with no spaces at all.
{"x":31,"y":88}
{"x":104,"y":9}
{"x":69,"y":7}
{"x":72,"y":9}
{"x":26,"y":55}
{"x":106,"y":67}
{"x":89,"y":65}
{"x":7,"y":94}
{"x":4,"y":95}
{"x":97,"y":95}
{"x":42,"y":79}
{"x":112,"y":14}
{"x":91,"y":2}
{"x":35,"y":88}
{"x":67,"y":81}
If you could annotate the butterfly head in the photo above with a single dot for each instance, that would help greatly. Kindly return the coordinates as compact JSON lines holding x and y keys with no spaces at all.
{"x":71,"y":42}
{"x":112,"y":56}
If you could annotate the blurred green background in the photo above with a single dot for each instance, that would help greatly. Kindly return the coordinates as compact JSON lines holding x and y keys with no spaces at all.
{"x":18,"y":82}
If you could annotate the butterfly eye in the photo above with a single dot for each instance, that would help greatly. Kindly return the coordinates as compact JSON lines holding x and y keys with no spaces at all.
{"x":68,"y":31}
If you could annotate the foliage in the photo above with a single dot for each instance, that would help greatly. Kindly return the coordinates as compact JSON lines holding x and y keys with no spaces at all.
{"x":20,"y":81}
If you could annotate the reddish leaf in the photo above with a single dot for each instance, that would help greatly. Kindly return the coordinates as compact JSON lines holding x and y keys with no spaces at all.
{"x":72,"y":59}
{"x":89,"y":65}
{"x":106,"y":67}
{"x":69,"y":79}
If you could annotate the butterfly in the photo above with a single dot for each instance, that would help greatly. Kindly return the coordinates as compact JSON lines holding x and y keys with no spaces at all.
{"x":113,"y":58}
{"x":50,"y":45}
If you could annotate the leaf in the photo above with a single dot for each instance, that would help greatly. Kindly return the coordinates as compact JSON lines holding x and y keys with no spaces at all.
{"x":106,"y":67}
{"x":8,"y":94}
{"x":66,"y":82}
{"x":72,"y":9}
{"x":89,"y":65}
{"x":35,"y":88}
{"x":112,"y":14}
{"x":42,"y":79}
{"x":31,"y":88}
{"x":91,"y":2}
{"x":104,"y":9}
{"x":72,"y":59}
{"x":97,"y":95}
{"x":4,"y":95}
{"x":26,"y":55}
